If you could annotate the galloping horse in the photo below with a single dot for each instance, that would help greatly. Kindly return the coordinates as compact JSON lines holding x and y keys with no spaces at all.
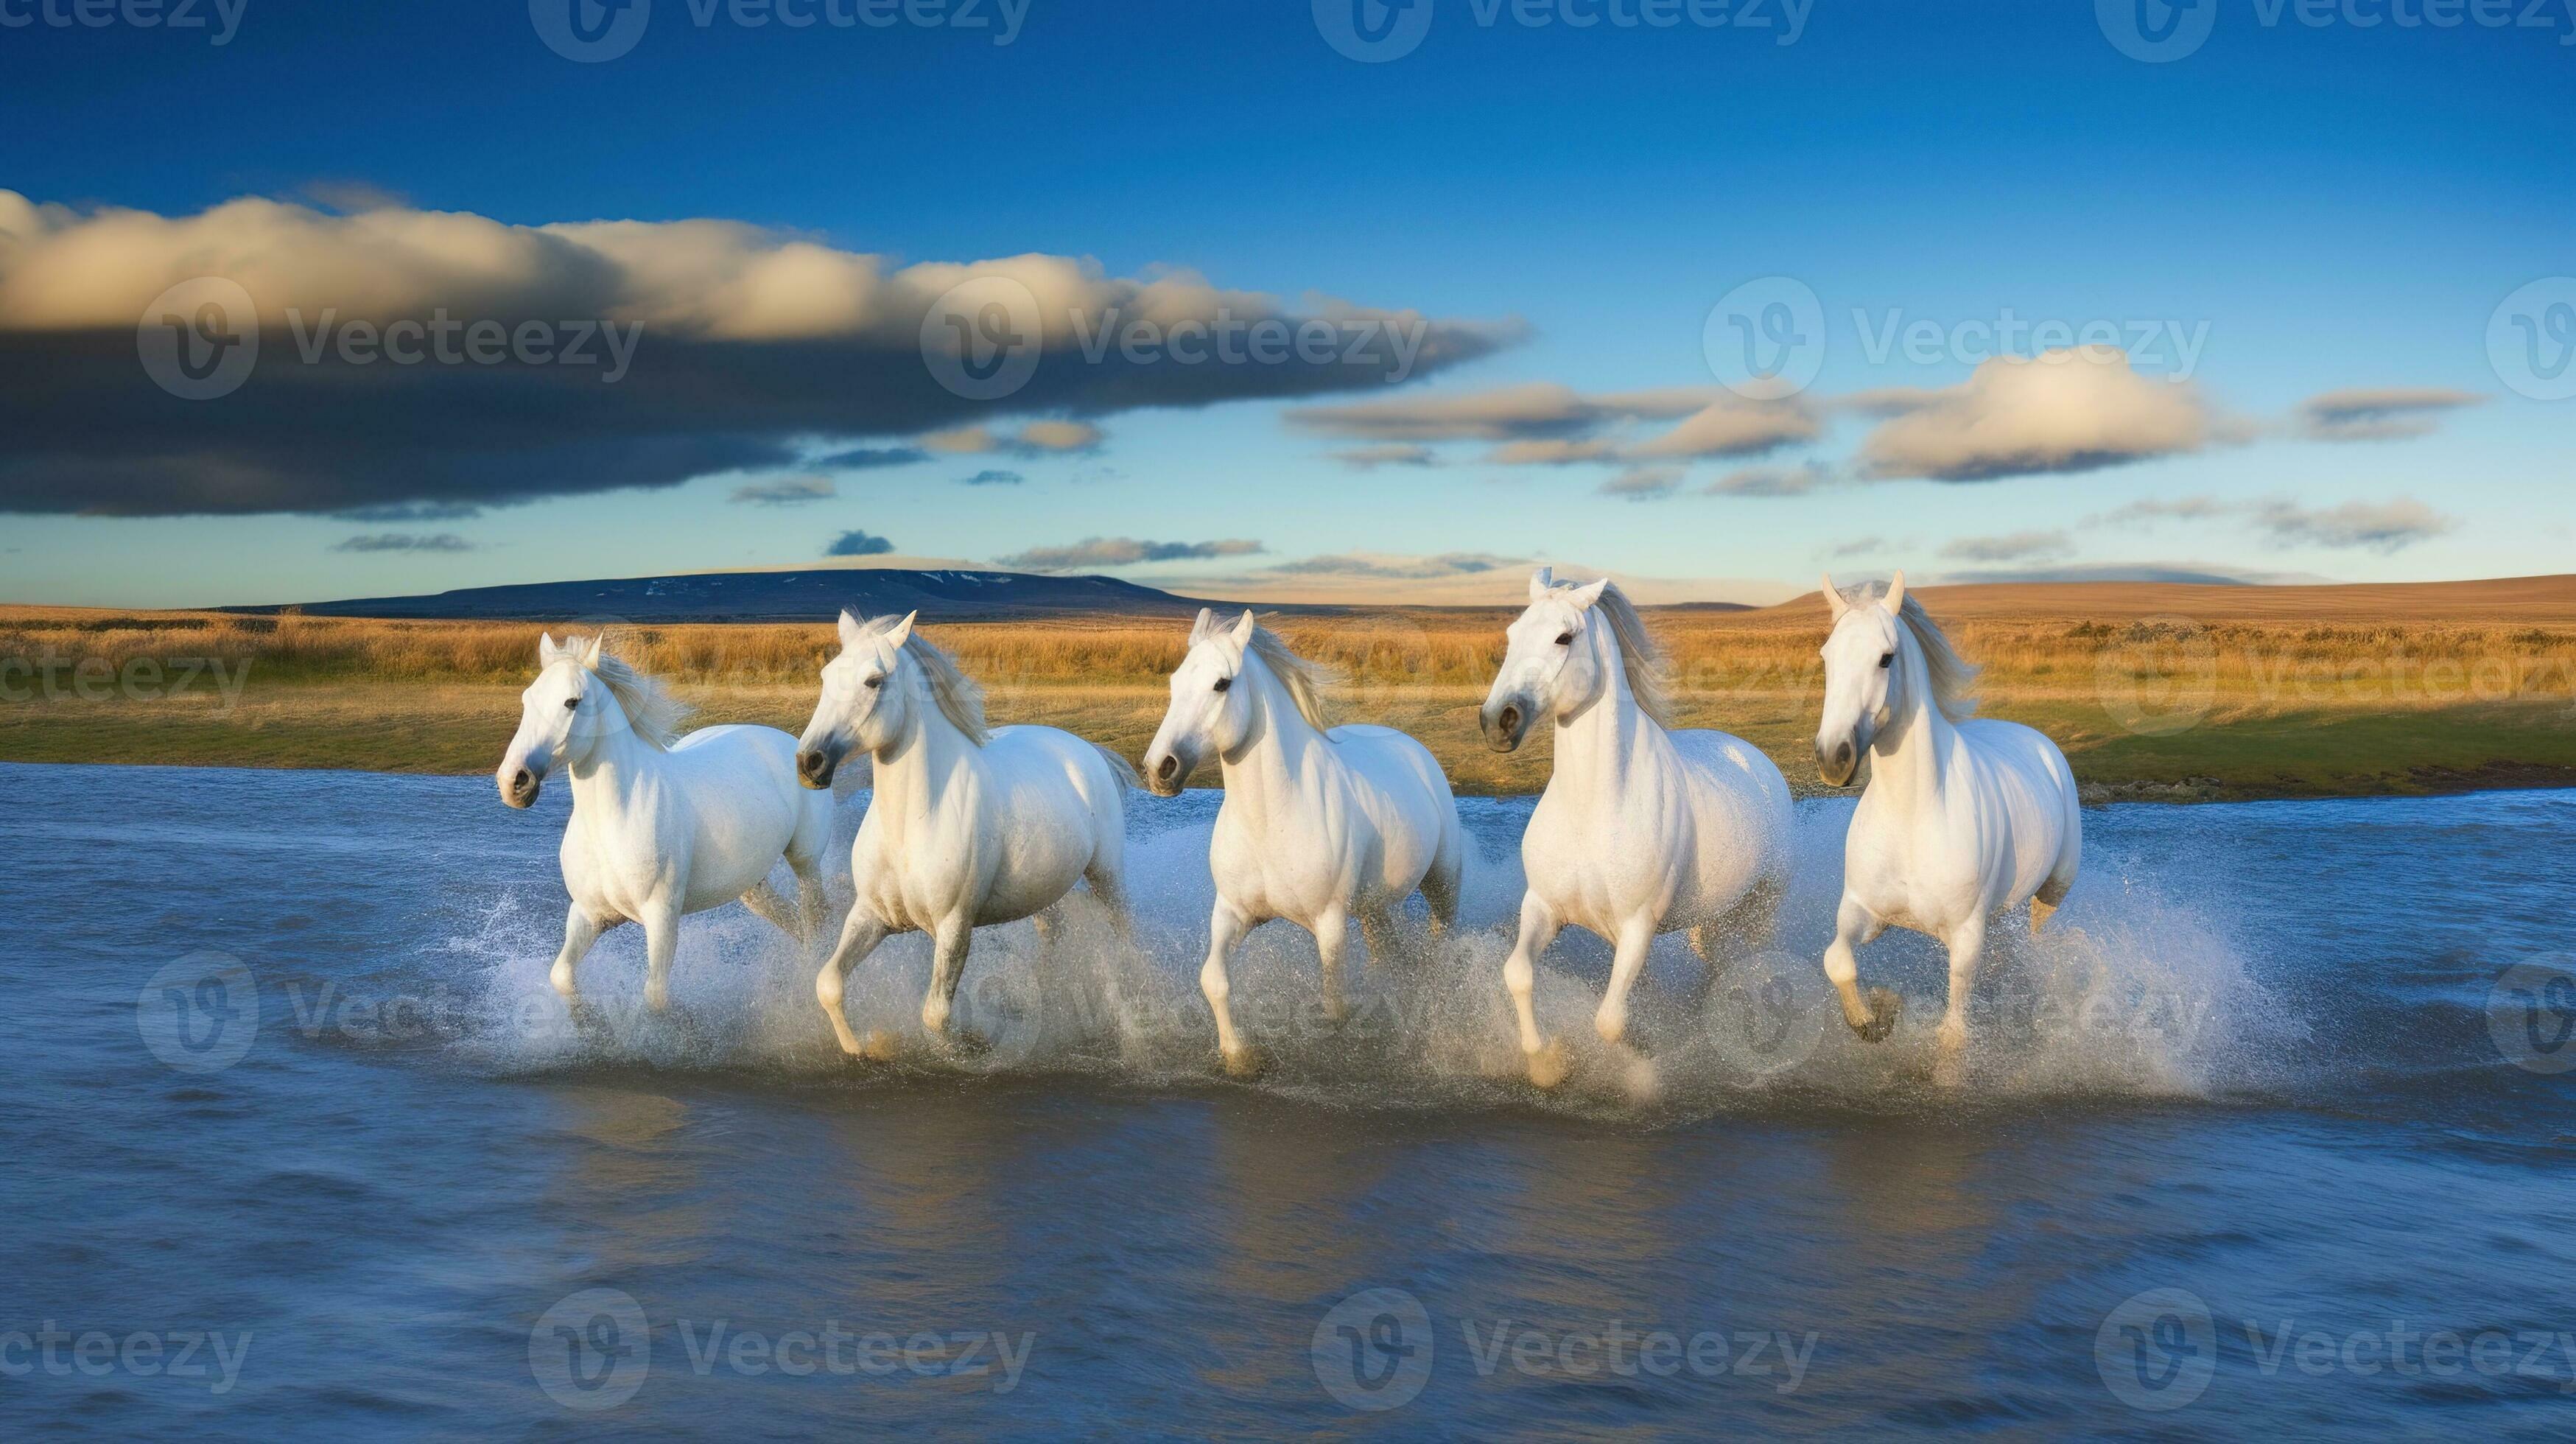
{"x":1963,"y":817}
{"x":1318,"y":825}
{"x":1641,"y":830}
{"x":967,"y":827}
{"x":660,"y":827}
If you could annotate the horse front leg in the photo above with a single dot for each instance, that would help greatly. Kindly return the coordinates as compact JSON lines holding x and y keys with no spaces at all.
{"x":1967,"y":944}
{"x":661,"y":945}
{"x":580,"y":932}
{"x":860,"y":934}
{"x":947,"y":965}
{"x":1226,"y":927}
{"x":1546,"y":1060}
{"x":1853,"y":925}
{"x":1636,"y":940}
{"x":1332,"y":947}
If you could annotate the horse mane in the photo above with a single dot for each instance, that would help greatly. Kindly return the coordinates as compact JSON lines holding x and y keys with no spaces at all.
{"x":960,"y":697}
{"x":1953,"y":677}
{"x":1305,"y":680}
{"x":651,"y":710}
{"x":1639,"y":657}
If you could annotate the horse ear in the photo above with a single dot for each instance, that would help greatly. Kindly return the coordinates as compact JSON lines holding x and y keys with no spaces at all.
{"x":1204,"y":625}
{"x":852,"y":630}
{"x":590,"y":653}
{"x":1834,"y":597}
{"x":1584,"y":597}
{"x":1241,"y":636}
{"x":1542,"y":582}
{"x":900,"y":632}
{"x":1895,"y":600}
{"x":547,"y":651}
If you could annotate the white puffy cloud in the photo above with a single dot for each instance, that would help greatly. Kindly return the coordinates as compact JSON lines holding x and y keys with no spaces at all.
{"x":2060,"y":411}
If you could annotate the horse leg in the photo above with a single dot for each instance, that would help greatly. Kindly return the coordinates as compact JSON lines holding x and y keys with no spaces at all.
{"x":1332,"y":945}
{"x":947,"y":966}
{"x":773,"y":907}
{"x":1636,"y":939}
{"x":1538,"y":929}
{"x":1226,"y":928}
{"x":1440,"y":885}
{"x":1380,"y":930}
{"x":579,"y":933}
{"x":1110,"y":887}
{"x":1967,"y":945}
{"x":1854,"y":924}
{"x":661,"y":944}
{"x":813,"y":908}
{"x":860,"y":935}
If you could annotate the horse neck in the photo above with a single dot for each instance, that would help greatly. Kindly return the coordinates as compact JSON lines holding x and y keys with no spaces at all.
{"x":1281,"y":746}
{"x":1907,"y":753}
{"x":617,"y":762}
{"x":911,"y":770}
{"x":1600,"y":747}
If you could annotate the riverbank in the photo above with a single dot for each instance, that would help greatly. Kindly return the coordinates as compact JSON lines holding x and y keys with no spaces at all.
{"x":2166,"y":693}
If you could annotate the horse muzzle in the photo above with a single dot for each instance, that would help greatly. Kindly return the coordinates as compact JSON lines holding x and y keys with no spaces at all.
{"x":519,"y":787}
{"x":1504,"y":726}
{"x":1837,"y":763}
{"x":1167,"y":774}
{"x":815,"y":766}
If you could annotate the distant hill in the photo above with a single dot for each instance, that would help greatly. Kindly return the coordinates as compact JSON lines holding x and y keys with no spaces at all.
{"x":802,"y":596}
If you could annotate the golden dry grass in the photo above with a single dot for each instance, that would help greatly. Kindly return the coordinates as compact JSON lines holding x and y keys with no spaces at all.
{"x":2261,"y":690}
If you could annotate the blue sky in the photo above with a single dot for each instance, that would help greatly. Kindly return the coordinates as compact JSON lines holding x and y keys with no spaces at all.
{"x":2321,"y":207}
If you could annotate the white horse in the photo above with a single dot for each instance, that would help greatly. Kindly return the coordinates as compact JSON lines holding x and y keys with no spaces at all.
{"x":1641,"y":830}
{"x":660,"y":827}
{"x":1963,"y":817}
{"x":967,"y":826}
{"x":1318,"y":824}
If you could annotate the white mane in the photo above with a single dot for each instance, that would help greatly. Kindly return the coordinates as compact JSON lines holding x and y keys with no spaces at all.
{"x":960,"y":698}
{"x":1639,"y":657}
{"x":654,"y":714}
{"x":1953,"y":677}
{"x":1304,"y":680}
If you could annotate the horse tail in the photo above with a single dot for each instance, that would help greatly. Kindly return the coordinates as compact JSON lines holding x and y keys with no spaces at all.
{"x":1120,"y":768}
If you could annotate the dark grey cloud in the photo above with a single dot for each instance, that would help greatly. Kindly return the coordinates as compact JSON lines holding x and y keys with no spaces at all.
{"x":868,"y":458}
{"x":392,"y":541}
{"x":856,"y":543}
{"x":412,"y":512}
{"x":753,"y":346}
{"x":992,"y":476}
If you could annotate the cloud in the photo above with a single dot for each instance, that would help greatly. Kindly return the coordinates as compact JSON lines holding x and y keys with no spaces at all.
{"x":2388,"y":526}
{"x":1121,"y":551}
{"x":1384,"y":567}
{"x":1769,"y":481}
{"x":2061,"y":411}
{"x":786,"y":491}
{"x":1857,"y":547}
{"x":2383,"y":527}
{"x":2020,"y":546}
{"x":757,"y":349}
{"x":1543,"y":423}
{"x":393,"y":541}
{"x":2384,"y":413}
{"x":1037,"y":438}
{"x":858,"y":544}
{"x":1370,"y":458}
{"x":869,"y":458}
{"x":2189,"y":573}
{"x":412,"y":512}
{"x":1643,"y":483}
{"x":992,"y":476}
{"x":351,"y":196}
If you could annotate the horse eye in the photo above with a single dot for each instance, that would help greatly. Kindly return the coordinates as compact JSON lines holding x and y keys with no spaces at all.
{"x":1224,"y":682}
{"x":877,"y":681}
{"x":1890,"y":657}
{"x":571,"y":702}
{"x":1565,"y":639}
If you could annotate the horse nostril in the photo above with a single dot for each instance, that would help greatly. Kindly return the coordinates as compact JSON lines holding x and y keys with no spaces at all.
{"x":1168,"y":766}
{"x":1511,"y":719}
{"x":1842,"y":754}
{"x":519,"y":780}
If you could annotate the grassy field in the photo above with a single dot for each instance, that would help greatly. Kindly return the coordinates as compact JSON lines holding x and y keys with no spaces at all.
{"x":2154,"y":691}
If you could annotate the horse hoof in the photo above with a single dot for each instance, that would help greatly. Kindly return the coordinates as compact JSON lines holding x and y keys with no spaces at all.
{"x":1884,"y":1007}
{"x":1547,"y":1065}
{"x":1246,"y":1062}
{"x":878,"y":1046}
